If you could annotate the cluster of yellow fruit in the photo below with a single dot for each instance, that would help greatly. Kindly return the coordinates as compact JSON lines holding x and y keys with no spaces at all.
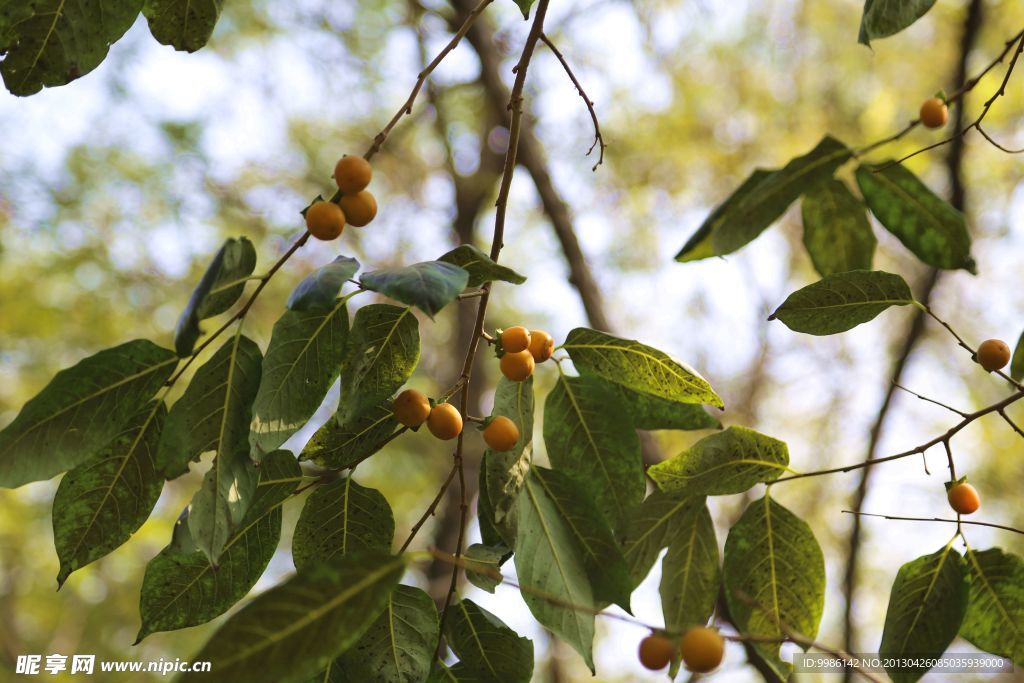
{"x":412,"y":408}
{"x":523,"y":349}
{"x":701,"y":649}
{"x":325,"y":220}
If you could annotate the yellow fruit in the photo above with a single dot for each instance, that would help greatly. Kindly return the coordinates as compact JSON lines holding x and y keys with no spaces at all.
{"x":411,"y":408}
{"x":445,"y":421}
{"x":934,"y":113}
{"x":993,"y":354}
{"x":702,"y":649}
{"x":541,"y":345}
{"x":515,"y":339}
{"x":517,"y":366}
{"x":964,"y":498}
{"x":352,"y":174}
{"x":360,"y":208}
{"x":501,"y":434}
{"x":325,"y":220}
{"x":656,"y":652}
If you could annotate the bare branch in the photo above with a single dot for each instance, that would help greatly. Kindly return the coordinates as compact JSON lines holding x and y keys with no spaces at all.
{"x":598,"y":138}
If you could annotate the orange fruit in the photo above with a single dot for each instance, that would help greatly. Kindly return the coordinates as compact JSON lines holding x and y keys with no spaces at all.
{"x":445,"y":421}
{"x":352,"y":174}
{"x":360,"y":208}
{"x":934,"y":113}
{"x":541,"y":345}
{"x":963,"y":498}
{"x":501,"y":434}
{"x":656,"y":652}
{"x":515,"y":339}
{"x":325,"y":220}
{"x":517,"y":366}
{"x":993,"y":354}
{"x":411,"y":408}
{"x":702,"y":649}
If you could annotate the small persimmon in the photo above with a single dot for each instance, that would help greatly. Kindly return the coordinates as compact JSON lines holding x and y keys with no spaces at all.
{"x":325,"y":220}
{"x":501,"y":434}
{"x":934,"y":113}
{"x":360,"y":208}
{"x":515,"y":339}
{"x":445,"y":421}
{"x":963,"y":498}
{"x":352,"y":174}
{"x":517,"y":366}
{"x":993,"y":354}
{"x":541,"y":345}
{"x":412,"y":408}
{"x":702,"y":649}
{"x":656,"y":652}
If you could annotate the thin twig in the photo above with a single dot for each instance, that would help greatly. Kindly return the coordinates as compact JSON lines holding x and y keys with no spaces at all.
{"x":943,"y":438}
{"x":515,"y":105}
{"x":431,"y":509}
{"x":976,"y":124}
{"x":929,"y":400}
{"x":953,"y":97}
{"x":598,"y":138}
{"x":935,"y":519}
{"x":381,"y":137}
{"x":963,"y":344}
{"x":1016,"y":427}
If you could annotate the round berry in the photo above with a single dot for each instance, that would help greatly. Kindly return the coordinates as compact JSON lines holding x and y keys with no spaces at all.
{"x":325,"y":220}
{"x":360,"y":208}
{"x":411,"y":408}
{"x":352,"y":174}
{"x":501,"y":434}
{"x":517,"y":366}
{"x":445,"y":421}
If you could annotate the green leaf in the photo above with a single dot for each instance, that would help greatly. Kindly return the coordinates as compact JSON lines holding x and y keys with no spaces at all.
{"x":493,"y":533}
{"x":690,"y":574}
{"x":837,"y":232}
{"x":399,"y":646}
{"x":183,"y":24}
{"x":319,"y":290}
{"x":218,"y":290}
{"x":884,"y":18}
{"x":761,"y":200}
{"x":654,"y":412}
{"x":81,"y":410}
{"x":605,"y":565}
{"x":383,"y":350}
{"x":637,"y":367}
{"x":429,"y":286}
{"x":102,"y":502}
{"x":294,"y":630}
{"x":214,"y":412}
{"x":303,"y":360}
{"x":524,"y":7}
{"x":774,"y":573}
{"x":52,"y":42}
{"x":660,"y":519}
{"x":342,"y":446}
{"x":589,"y":438}
{"x":926,"y":224}
{"x":550,"y":563}
{"x":506,"y":470}
{"x":486,"y":647}
{"x":994,"y":621}
{"x":181,"y":588}
{"x":480,"y":267}
{"x":1017,"y":364}
{"x":340,"y":518}
{"x":926,"y":607}
{"x":841,"y":302}
{"x":483,"y":565}
{"x":218,"y":508}
{"x":721,"y":464}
